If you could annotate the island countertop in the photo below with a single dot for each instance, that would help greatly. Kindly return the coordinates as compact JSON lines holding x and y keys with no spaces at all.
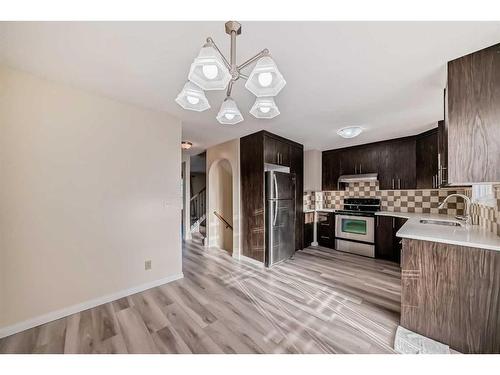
{"x":464,"y":235}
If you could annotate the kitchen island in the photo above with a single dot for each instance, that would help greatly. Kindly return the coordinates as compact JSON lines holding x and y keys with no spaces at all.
{"x":450,"y":283}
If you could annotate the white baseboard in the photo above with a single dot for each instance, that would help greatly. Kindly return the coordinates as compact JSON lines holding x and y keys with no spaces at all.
{"x":62,"y":313}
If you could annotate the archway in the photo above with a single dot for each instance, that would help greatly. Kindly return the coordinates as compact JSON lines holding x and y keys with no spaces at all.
{"x":220,"y":191}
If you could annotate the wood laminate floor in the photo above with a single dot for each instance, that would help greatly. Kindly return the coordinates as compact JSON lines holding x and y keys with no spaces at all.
{"x":318,"y":302}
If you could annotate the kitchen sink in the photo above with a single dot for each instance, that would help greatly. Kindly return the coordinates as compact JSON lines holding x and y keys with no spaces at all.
{"x":441,"y":222}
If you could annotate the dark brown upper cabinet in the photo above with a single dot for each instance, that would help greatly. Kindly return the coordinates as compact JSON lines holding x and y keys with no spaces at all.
{"x":394,"y":162}
{"x":427,"y":160}
{"x":397,"y":166}
{"x":473,"y":121}
{"x":443,"y":151}
{"x":276,"y":151}
{"x":256,"y":150}
{"x":331,"y":169}
{"x":406,"y":162}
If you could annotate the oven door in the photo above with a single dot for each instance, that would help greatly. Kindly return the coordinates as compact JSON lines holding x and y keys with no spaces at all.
{"x":357,"y":228}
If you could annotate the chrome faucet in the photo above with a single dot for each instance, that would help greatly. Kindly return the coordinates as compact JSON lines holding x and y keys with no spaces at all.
{"x":466,"y":216}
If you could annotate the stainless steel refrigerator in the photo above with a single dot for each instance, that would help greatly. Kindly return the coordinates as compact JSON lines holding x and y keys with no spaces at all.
{"x":280,"y":216}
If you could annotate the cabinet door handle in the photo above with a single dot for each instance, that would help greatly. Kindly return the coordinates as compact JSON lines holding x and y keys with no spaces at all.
{"x":439,"y":176}
{"x":392,"y":184}
{"x":377,"y":220}
{"x":360,"y":169}
{"x":355,"y":169}
{"x":393,"y":223}
{"x":399,"y":183}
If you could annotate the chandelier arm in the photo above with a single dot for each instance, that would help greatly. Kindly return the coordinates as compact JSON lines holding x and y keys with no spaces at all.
{"x":212,"y":43}
{"x":241,"y":75}
{"x":229,"y":88}
{"x":262,"y":53}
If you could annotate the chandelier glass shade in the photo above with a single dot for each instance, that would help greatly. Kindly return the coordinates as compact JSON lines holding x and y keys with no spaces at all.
{"x":211,"y":70}
{"x":208,"y":70}
{"x":229,"y":114}
{"x":193,"y":98}
{"x":265,"y":108}
{"x":265,"y":79}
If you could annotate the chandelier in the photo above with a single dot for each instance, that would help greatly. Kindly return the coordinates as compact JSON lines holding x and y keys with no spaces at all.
{"x":210,"y":70}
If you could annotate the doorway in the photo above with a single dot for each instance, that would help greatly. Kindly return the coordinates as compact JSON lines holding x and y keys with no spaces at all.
{"x":221,"y":201}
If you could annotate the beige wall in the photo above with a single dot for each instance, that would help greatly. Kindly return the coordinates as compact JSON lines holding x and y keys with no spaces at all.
{"x":229,"y":151}
{"x":312,"y":170}
{"x":186,"y":195}
{"x":90,"y":189}
{"x":221,"y":199}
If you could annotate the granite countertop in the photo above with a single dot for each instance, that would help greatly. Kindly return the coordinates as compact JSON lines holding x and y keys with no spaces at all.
{"x":470,"y":235}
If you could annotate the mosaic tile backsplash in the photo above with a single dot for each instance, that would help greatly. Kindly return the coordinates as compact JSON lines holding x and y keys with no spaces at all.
{"x":419,"y":201}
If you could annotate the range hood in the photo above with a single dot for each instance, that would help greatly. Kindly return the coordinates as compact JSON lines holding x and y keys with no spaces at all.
{"x":358,"y":177}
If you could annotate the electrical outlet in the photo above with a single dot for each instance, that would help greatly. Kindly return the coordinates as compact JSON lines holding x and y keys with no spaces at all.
{"x":147,"y":265}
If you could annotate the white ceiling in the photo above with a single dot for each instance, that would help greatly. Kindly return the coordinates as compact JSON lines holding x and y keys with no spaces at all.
{"x":387,"y":77}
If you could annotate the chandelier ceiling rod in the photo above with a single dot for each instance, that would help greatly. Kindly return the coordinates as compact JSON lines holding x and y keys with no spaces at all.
{"x":233,"y":29}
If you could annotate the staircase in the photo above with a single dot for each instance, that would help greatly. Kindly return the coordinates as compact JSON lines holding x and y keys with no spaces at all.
{"x":198,"y":209}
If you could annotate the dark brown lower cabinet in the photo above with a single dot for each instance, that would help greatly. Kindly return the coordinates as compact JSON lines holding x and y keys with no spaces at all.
{"x":397,"y":242}
{"x":326,"y":229}
{"x":308,"y":228}
{"x":451,"y":294}
{"x":297,"y":167}
{"x":387,"y":245}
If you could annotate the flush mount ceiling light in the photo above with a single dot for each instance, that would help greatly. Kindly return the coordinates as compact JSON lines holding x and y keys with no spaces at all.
{"x":350,"y":131}
{"x":185,"y":145}
{"x":265,"y":108}
{"x":192,"y":97}
{"x":210,"y":70}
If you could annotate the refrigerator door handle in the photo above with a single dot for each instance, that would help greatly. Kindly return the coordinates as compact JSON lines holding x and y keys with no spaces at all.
{"x":275,"y":213}
{"x":275,"y":187}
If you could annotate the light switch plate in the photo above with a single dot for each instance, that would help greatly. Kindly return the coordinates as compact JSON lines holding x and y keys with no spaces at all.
{"x":147,"y":265}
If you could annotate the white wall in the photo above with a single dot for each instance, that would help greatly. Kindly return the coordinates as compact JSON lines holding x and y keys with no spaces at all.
{"x":231,"y":152}
{"x":90,"y":189}
{"x":312,"y":170}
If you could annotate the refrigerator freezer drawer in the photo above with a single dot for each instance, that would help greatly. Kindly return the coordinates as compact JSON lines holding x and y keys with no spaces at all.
{"x":364,"y":249}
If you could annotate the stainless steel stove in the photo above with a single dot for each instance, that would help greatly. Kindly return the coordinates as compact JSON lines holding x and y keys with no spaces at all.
{"x":355,"y":226}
